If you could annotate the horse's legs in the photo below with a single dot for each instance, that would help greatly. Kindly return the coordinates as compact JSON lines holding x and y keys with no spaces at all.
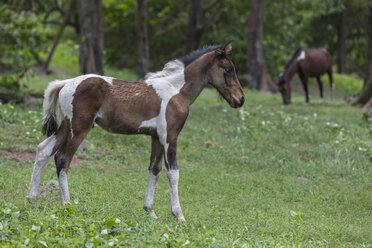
{"x":320,"y":84}
{"x":157,"y":153}
{"x":173,"y":177}
{"x":75,"y":133}
{"x":45,"y":150}
{"x":304,"y":84}
{"x":332,"y":86}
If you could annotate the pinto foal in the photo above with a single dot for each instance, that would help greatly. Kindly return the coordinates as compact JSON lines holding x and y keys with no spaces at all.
{"x":307,"y":63}
{"x":157,"y":106}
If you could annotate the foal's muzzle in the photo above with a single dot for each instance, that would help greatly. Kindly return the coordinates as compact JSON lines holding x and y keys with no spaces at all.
{"x":238,"y":104}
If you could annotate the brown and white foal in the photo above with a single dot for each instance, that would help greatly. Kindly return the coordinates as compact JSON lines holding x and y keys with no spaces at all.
{"x":157,"y":106}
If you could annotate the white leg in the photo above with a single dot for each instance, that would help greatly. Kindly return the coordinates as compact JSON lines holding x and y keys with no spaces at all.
{"x":148,"y":204}
{"x":320,"y":100}
{"x":44,"y":152}
{"x":173,"y":176}
{"x":63,"y":186}
{"x":333,"y":93}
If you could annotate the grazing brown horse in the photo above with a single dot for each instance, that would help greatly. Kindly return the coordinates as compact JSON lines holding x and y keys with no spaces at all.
{"x":307,"y":63}
{"x":157,"y":106}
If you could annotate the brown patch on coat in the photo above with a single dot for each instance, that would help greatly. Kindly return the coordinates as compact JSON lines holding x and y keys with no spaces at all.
{"x":316,"y":63}
{"x":129,"y":104}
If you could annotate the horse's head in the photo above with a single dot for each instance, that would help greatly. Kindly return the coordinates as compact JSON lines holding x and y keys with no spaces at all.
{"x":284,"y":87}
{"x":222,"y":76}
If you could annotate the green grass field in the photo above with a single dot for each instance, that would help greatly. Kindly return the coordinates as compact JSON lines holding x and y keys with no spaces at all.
{"x":265,"y":175}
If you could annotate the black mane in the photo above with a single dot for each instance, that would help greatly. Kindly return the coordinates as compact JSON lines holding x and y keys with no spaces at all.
{"x":187,"y":59}
{"x":293,"y":58}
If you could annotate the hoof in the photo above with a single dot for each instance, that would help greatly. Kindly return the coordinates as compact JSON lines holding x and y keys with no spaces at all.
{"x":150,"y":212}
{"x":181,"y":218}
{"x":178,"y":214}
{"x":32,"y":200}
{"x":66,"y":203}
{"x":152,"y":215}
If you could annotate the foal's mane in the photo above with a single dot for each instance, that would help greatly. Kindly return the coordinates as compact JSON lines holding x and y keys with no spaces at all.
{"x":188,"y":58}
{"x":176,"y":66}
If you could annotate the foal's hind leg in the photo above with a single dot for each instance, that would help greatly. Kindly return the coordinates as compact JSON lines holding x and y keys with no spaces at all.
{"x":320,"y":84}
{"x":65,"y":153}
{"x":45,"y":150}
{"x":157,"y":153}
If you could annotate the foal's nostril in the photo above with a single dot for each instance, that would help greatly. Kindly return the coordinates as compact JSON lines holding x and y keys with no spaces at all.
{"x":235,"y":103}
{"x":242,"y":101}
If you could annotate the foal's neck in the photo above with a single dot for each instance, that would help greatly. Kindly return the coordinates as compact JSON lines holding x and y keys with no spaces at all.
{"x":195,"y":82}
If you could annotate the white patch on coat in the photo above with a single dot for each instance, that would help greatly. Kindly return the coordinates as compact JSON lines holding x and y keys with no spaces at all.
{"x":149,"y":198}
{"x":66,"y":95}
{"x":166,"y":83}
{"x":44,"y":152}
{"x":173,"y":177}
{"x":302,"y":55}
{"x":63,"y":186}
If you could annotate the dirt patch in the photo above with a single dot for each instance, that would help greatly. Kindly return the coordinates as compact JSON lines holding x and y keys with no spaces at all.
{"x":29,"y":155}
{"x":17,"y":155}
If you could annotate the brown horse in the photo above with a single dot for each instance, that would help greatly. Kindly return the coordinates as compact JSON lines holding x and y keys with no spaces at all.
{"x":307,"y":63}
{"x":157,"y":106}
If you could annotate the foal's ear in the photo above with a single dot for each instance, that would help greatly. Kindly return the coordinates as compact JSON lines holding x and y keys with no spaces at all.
{"x":227,"y":48}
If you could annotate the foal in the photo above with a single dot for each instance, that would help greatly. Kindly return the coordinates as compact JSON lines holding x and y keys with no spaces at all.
{"x":157,"y":106}
{"x":307,"y":63}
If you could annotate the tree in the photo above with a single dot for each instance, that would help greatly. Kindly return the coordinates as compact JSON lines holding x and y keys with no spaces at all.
{"x":259,"y":78}
{"x":198,"y":22}
{"x":66,"y":18}
{"x":143,"y":37}
{"x":91,"y":37}
{"x":365,"y":97}
{"x":341,"y":33}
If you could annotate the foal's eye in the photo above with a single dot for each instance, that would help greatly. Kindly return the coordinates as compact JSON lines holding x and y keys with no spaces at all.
{"x":227,"y":68}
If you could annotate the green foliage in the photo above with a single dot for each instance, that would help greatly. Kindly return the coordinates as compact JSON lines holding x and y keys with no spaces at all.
{"x":348,"y":84}
{"x":20,"y":37}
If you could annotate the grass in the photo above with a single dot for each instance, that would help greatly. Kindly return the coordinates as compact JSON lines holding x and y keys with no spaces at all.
{"x":268,"y":175}
{"x":265,"y":175}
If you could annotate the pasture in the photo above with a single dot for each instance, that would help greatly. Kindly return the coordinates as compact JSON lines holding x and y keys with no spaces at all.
{"x":264,"y":175}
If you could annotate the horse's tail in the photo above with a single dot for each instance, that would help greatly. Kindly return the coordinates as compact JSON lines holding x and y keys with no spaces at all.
{"x":50,"y":107}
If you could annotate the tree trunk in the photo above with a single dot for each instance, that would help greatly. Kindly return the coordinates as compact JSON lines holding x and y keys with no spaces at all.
{"x":195,"y":26}
{"x":198,"y":22}
{"x":259,"y":78}
{"x":91,"y":37}
{"x":369,"y":54}
{"x":143,"y":52}
{"x":60,"y":32}
{"x":341,"y":33}
{"x":366,"y":93}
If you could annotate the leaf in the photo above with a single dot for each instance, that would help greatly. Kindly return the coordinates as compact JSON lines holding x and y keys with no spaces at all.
{"x":35,"y":228}
{"x":43,"y":243}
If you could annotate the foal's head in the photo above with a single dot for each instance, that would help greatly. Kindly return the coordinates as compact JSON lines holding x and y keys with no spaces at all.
{"x":284,"y":88}
{"x":222,"y":76}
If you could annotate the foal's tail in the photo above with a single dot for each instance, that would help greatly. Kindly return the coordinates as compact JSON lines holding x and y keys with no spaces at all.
{"x":50,"y":107}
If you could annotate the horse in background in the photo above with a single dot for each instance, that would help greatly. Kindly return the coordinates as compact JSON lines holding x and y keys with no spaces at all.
{"x":157,"y":106}
{"x":307,"y":63}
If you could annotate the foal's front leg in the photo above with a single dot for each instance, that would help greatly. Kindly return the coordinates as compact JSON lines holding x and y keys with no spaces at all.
{"x":173,"y":177}
{"x":157,"y":153}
